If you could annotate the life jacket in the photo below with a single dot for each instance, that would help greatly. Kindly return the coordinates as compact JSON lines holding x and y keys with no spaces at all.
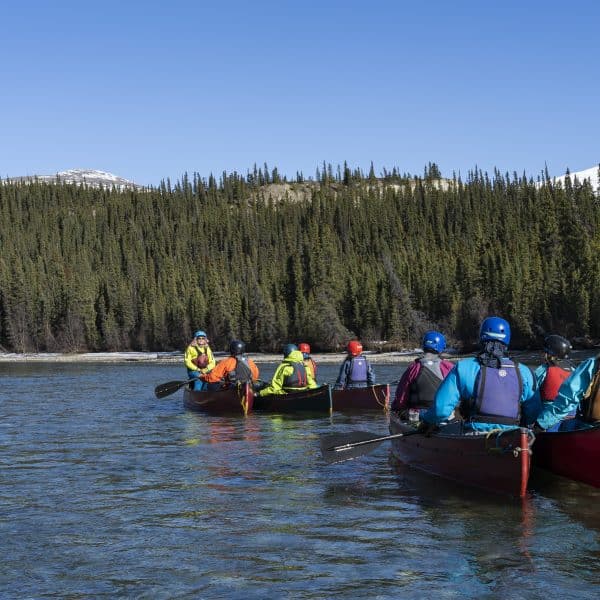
{"x":552,"y":382}
{"x":242,"y":372}
{"x":201,"y":360}
{"x":498,"y":395}
{"x":589,"y":407}
{"x":422,"y":390}
{"x":358,"y":371}
{"x":296,"y":379}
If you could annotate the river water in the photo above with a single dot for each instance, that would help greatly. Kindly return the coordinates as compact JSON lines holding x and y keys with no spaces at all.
{"x":106,"y":491}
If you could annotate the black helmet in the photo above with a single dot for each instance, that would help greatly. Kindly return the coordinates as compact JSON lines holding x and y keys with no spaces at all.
{"x":236,"y":347}
{"x":556,"y":345}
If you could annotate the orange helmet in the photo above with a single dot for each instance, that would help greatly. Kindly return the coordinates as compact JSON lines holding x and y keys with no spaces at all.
{"x":354,"y":347}
{"x":304,"y":348}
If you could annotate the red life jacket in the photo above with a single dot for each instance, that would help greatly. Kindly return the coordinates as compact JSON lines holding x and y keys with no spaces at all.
{"x":552,"y":382}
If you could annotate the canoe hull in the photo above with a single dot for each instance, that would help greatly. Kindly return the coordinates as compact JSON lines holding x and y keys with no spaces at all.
{"x":493,"y":463}
{"x":317,"y":400}
{"x":375,"y":397}
{"x":235,"y":400}
{"x":571,"y":454}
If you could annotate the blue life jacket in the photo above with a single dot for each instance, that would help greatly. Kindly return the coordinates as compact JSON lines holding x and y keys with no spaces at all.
{"x":498,"y":395}
{"x":358,"y":371}
{"x":423,"y":388}
{"x":297,"y":379}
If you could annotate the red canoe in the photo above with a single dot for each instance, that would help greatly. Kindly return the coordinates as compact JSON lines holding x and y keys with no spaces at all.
{"x":375,"y":397}
{"x":235,"y":400}
{"x":572,"y":454}
{"x":498,"y":462}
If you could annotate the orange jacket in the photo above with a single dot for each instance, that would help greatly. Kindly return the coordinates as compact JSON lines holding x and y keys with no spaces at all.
{"x":224,"y":367}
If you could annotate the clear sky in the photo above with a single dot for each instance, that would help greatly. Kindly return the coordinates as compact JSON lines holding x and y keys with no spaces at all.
{"x":149,"y":90}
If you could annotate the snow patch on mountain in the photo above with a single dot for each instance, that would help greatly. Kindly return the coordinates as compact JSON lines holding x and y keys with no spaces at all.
{"x":90,"y":177}
{"x":590,"y":174}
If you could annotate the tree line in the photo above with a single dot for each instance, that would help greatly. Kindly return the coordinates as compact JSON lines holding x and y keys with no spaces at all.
{"x":382,"y":258}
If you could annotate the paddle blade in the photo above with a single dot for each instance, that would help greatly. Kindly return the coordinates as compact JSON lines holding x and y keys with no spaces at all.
{"x":338,"y":447}
{"x":168,"y":388}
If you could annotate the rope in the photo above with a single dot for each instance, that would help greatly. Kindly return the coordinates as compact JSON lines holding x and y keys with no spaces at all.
{"x":383,"y":403}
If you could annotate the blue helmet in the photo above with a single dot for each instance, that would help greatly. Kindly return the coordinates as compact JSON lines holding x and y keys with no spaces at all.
{"x":433,"y":341}
{"x":495,"y":329}
{"x":200,"y":333}
{"x":288,"y":349}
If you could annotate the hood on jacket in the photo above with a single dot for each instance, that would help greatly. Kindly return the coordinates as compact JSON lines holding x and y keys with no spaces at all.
{"x":295,"y":356}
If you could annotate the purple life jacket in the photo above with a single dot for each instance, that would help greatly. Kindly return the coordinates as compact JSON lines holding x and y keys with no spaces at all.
{"x":498,"y":397}
{"x":297,"y":379}
{"x":358,"y":371}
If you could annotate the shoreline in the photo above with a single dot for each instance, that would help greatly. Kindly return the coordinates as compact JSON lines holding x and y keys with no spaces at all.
{"x":177,"y":357}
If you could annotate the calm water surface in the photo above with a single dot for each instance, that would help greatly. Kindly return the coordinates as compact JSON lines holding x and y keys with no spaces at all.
{"x":106,"y":491}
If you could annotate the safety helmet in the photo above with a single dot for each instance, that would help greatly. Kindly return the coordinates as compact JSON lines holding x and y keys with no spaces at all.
{"x":433,"y":341}
{"x":495,"y":329}
{"x":556,"y":345}
{"x":200,"y":333}
{"x":288,"y":349}
{"x":236,"y":347}
{"x":354,"y":347}
{"x":304,"y":348}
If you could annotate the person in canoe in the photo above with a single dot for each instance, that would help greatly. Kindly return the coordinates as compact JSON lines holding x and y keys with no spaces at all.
{"x":556,"y":367}
{"x":291,"y":375}
{"x":492,"y":390}
{"x":419,"y":383}
{"x":356,"y":371}
{"x":579,"y":393}
{"x":198,"y":359}
{"x":236,"y":368}
{"x":309,"y":363}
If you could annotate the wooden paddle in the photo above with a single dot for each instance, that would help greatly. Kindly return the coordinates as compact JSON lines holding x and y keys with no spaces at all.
{"x":346,"y":446}
{"x":170,"y":387}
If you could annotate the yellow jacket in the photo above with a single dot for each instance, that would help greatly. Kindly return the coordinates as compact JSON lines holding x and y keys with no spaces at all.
{"x":192,"y":352}
{"x":284,"y":370}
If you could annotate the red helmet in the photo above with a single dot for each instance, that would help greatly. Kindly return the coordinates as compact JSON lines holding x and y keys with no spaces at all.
{"x":304,"y":348}
{"x":354,"y":347}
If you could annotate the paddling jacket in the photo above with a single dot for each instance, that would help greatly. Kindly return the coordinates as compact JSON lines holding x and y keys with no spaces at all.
{"x":192,"y":352}
{"x":289,"y":376}
{"x":463,"y":386}
{"x":311,"y":365}
{"x":355,"y":372}
{"x":406,"y":394}
{"x":232,"y":369}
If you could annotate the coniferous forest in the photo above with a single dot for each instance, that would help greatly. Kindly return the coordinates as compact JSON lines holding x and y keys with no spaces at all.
{"x":320,"y":260}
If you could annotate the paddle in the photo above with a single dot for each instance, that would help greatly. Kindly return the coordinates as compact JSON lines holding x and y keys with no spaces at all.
{"x":346,"y":446}
{"x":170,"y":387}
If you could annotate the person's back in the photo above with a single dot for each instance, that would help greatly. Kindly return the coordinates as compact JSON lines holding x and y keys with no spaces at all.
{"x":291,"y":375}
{"x":355,"y":371}
{"x":491,"y":389}
{"x":419,"y":383}
{"x":236,"y":368}
{"x":309,"y":363}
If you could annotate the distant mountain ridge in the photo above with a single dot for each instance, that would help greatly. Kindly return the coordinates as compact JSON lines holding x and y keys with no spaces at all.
{"x":91,"y":177}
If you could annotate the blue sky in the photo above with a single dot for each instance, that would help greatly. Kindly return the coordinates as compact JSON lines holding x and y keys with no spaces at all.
{"x":150,"y":90}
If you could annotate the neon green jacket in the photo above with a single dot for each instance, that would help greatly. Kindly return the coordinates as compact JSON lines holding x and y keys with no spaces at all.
{"x":285,"y":369}
{"x":193,"y":351}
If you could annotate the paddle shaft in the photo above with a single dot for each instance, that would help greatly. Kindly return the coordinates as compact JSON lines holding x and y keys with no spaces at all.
{"x":343,"y":447}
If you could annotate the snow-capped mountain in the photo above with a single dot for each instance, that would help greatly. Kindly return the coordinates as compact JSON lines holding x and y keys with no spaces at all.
{"x":590,"y":174}
{"x":89,"y":177}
